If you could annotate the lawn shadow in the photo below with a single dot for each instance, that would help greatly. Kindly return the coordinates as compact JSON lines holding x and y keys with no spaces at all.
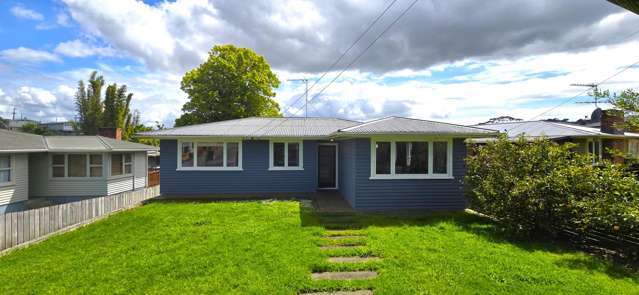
{"x":481,"y":227}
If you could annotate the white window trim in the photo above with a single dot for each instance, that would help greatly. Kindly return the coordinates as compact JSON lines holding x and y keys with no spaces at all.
{"x":597,"y":141}
{"x":66,"y":167}
{"x":211,"y":140}
{"x":12,"y":175}
{"x":300,"y":159}
{"x":430,"y":175}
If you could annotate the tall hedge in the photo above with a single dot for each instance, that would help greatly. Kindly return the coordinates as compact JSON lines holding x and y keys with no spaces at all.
{"x":540,"y":187}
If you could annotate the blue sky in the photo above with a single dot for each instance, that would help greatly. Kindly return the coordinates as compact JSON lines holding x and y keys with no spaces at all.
{"x":435,"y":63}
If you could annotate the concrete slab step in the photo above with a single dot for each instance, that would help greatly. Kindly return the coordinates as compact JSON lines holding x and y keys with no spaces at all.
{"x":357,"y":292}
{"x":345,"y":237}
{"x":344,"y":275}
{"x":353,"y":259}
{"x":337,"y":247}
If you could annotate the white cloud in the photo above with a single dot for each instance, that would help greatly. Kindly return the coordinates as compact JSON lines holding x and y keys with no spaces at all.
{"x":28,"y":55}
{"x":36,"y":96}
{"x":25,"y":13}
{"x":77,"y":48}
{"x":62,"y":19}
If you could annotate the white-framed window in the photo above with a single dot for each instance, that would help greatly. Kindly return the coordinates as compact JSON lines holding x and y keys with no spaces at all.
{"x":6,"y":176}
{"x":76,"y":165}
{"x":286,"y":155}
{"x":211,"y":154}
{"x":594,"y":149}
{"x":413,"y":158}
{"x":121,"y":164}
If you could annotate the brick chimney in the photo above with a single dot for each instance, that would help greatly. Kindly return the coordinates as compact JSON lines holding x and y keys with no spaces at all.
{"x":612,"y":121}
{"x":115,"y":133}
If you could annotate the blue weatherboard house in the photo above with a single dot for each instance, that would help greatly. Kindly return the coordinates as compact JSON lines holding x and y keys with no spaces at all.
{"x":386,"y":164}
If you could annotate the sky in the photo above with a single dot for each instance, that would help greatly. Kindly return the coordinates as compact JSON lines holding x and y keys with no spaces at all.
{"x":461,"y":61}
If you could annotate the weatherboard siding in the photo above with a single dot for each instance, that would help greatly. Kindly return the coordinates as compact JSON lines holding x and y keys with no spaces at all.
{"x":43,"y":185}
{"x":18,"y":190}
{"x":392,"y":194}
{"x":254,"y":178}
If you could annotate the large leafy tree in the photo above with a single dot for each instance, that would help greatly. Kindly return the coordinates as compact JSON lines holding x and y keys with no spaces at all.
{"x":4,"y":124}
{"x":232,"y":83}
{"x":112,"y":111}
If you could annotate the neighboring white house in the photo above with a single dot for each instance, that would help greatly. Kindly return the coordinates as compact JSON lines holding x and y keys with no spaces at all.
{"x":63,"y":168}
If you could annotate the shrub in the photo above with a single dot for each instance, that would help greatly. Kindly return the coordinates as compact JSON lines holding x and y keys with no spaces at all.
{"x":541,"y":187}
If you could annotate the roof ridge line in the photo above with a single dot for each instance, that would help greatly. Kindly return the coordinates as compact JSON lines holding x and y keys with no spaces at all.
{"x":366,"y":123}
{"x":104,"y":143}
{"x":569,"y":127}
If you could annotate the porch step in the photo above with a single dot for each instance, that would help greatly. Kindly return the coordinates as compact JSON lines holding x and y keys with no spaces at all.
{"x":353,"y":259}
{"x":344,"y":275}
{"x":357,"y":292}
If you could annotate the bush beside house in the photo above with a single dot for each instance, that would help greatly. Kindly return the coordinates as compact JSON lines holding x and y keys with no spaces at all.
{"x":541,"y":187}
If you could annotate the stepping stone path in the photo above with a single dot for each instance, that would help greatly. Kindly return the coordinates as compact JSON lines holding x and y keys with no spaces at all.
{"x":345,"y":275}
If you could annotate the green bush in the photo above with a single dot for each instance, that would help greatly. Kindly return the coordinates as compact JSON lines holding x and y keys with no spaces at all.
{"x":540,"y":187}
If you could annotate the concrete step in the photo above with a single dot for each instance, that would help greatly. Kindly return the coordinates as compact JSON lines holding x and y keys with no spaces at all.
{"x":357,"y":292}
{"x":345,"y":237}
{"x":336,"y":247}
{"x":344,"y":275}
{"x":352,"y":259}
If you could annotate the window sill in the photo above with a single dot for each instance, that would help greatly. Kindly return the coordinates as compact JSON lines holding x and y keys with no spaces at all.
{"x":286,"y":168}
{"x":405,"y":177}
{"x":209,"y":169}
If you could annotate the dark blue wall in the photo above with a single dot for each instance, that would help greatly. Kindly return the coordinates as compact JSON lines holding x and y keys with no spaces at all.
{"x":255,"y":177}
{"x":432,"y":194}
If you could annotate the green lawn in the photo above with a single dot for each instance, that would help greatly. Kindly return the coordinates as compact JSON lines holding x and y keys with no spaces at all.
{"x":272,"y":247}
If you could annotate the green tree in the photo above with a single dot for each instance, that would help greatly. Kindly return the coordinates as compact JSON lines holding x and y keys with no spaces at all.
{"x":4,"y":124}
{"x":36,"y":129}
{"x":113,"y":112}
{"x":232,"y":83}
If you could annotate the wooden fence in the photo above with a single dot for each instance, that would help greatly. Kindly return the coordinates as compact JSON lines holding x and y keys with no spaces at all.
{"x":154,"y":176}
{"x":21,"y":227}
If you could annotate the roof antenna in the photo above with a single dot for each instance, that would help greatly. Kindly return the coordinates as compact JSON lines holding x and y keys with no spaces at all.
{"x":592,"y":86}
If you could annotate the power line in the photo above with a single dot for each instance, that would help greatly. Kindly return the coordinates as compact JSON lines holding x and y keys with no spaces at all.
{"x":360,"y":55}
{"x":330,"y":68}
{"x":366,"y":49}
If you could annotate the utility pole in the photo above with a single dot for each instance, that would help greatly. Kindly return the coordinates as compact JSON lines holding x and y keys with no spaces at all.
{"x":592,"y":86}
{"x":13,"y":116}
{"x":305,"y":93}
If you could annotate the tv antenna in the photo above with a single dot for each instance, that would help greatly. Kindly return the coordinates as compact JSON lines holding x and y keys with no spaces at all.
{"x":591,"y":86}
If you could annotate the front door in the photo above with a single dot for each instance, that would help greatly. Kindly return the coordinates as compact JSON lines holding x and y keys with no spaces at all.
{"x":327,"y":166}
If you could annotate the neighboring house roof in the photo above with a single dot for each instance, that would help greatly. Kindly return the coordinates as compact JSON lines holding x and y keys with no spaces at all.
{"x":400,"y":125}
{"x":314,"y":127}
{"x":11,"y":141}
{"x":258,"y":127}
{"x":552,"y":130}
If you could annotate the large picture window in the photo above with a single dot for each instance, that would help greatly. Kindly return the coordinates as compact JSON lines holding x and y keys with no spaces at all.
{"x":210,"y":155}
{"x":286,"y":155}
{"x":76,"y":165}
{"x":409,"y":159}
{"x":5,"y":169}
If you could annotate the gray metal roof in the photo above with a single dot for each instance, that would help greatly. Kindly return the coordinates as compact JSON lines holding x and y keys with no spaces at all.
{"x":400,"y":125}
{"x":11,"y":141}
{"x":259,"y":127}
{"x":93,"y":143}
{"x":17,"y":141}
{"x":534,"y":129}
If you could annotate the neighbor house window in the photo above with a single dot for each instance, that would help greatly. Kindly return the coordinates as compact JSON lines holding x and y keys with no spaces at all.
{"x":594,"y":149}
{"x":286,"y":155}
{"x":5,"y":169}
{"x":76,"y":165}
{"x":213,"y":155}
{"x":95,"y":165}
{"x":121,"y":164}
{"x":411,"y":159}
